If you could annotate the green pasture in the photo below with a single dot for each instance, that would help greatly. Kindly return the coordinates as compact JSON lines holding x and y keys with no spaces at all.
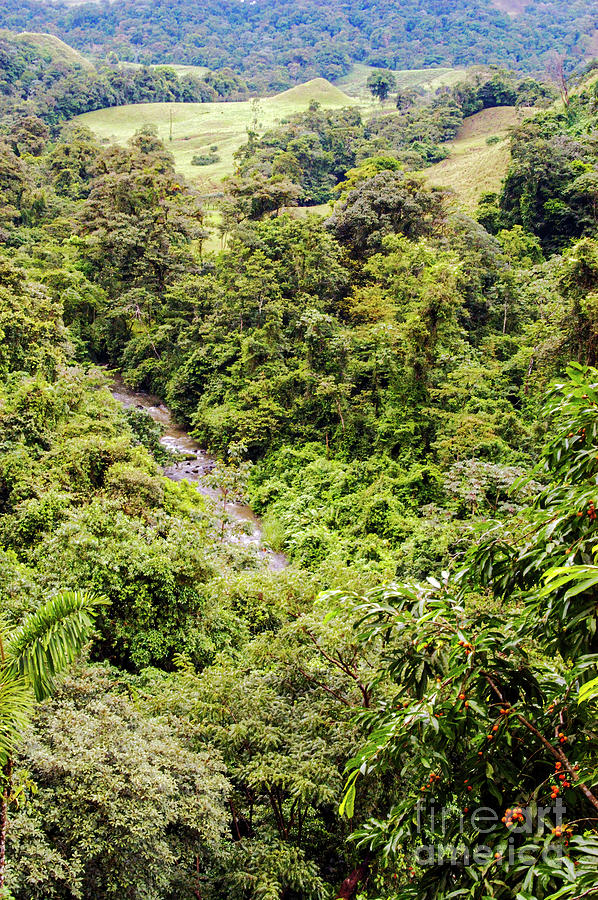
{"x":188,"y":129}
{"x":429,"y":80}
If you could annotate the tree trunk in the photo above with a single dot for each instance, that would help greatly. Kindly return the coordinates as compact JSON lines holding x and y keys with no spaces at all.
{"x":348,"y":888}
{"x":6,"y":791}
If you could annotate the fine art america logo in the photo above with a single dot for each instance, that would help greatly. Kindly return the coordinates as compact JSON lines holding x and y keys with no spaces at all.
{"x":434,"y":824}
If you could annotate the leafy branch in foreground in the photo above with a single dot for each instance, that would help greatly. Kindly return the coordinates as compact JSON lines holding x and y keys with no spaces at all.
{"x":489,"y":734}
{"x":31,"y":655}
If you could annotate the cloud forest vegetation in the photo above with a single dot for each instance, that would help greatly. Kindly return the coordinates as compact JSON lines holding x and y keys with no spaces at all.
{"x":407,"y":397}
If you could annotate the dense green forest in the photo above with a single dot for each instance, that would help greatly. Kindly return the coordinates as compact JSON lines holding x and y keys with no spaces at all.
{"x":277,"y":43}
{"x":33,"y":81}
{"x":407,"y":397}
{"x":316,"y":150}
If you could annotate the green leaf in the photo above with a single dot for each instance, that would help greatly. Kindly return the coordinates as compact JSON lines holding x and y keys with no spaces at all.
{"x":50,"y":639}
{"x":589,"y":691}
{"x":16,"y":705}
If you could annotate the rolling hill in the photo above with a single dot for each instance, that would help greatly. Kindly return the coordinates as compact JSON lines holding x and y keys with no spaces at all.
{"x":50,"y":46}
{"x":198,"y":126}
{"x":479,"y":155}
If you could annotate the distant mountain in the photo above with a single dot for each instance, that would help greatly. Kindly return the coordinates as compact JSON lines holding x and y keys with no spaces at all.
{"x":278,"y":43}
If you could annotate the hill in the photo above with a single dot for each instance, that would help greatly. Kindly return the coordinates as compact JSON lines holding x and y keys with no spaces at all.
{"x":53,"y":47}
{"x":479,"y":155}
{"x":276,"y":43}
{"x":317,"y":90}
{"x":196,"y":127}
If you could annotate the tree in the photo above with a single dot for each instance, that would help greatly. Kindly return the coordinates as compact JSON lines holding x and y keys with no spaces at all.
{"x":31,"y":329}
{"x":381,"y":84}
{"x":540,"y":191}
{"x":254,"y":196}
{"x":32,"y":654}
{"x":501,"y":739}
{"x":142,"y":795}
{"x":283,"y":722}
{"x":556,"y":70}
{"x":406,"y":98}
{"x":367,"y":169}
{"x":138,"y":222}
{"x":422,"y":284}
{"x":29,"y":135}
{"x":390,"y":202}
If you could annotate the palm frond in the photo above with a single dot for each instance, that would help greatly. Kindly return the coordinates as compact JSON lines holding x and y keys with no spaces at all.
{"x":50,"y":638}
{"x":16,"y":704}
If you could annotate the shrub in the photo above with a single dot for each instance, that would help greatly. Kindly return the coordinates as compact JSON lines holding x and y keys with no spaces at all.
{"x":205,"y":159}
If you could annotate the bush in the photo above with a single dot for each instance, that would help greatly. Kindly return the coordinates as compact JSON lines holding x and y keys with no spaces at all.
{"x":205,"y":159}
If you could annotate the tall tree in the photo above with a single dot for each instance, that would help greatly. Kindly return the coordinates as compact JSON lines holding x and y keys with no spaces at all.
{"x":381,"y":84}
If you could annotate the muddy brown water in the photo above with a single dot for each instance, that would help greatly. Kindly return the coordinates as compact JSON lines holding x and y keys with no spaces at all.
{"x":195,"y":464}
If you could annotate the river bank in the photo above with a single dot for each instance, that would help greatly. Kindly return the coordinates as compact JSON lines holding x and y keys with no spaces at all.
{"x":195,"y":466}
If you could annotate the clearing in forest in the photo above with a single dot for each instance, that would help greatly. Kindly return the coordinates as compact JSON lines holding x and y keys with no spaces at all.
{"x":479,"y":155}
{"x":511,"y":7}
{"x":197,"y":127}
{"x":428,"y":80}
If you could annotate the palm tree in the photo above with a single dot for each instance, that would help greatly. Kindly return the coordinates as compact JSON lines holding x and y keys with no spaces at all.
{"x":31,"y":656}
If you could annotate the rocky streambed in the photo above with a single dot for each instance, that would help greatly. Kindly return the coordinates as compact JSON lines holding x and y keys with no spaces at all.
{"x":195,"y":465}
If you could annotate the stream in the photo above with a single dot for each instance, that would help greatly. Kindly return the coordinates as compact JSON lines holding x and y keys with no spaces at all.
{"x":195,"y":464}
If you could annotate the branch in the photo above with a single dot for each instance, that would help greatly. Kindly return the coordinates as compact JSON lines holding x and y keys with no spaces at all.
{"x":349,"y":886}
{"x":325,"y":687}
{"x":557,"y":753}
{"x":339,"y":664}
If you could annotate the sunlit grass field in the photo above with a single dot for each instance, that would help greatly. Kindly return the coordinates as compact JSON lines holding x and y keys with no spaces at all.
{"x":188,"y":129}
{"x":196,"y":127}
{"x":475,"y":166}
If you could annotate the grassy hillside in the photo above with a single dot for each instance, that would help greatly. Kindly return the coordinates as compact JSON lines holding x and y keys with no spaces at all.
{"x":51,"y":45}
{"x":199,"y":71}
{"x":355,"y":82}
{"x":198,"y":126}
{"x":474,"y":165}
{"x":318,"y":89}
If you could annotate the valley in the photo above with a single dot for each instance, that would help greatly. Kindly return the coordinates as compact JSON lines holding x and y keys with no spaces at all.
{"x":190,"y":463}
{"x":298,"y":450}
{"x":196,"y":127}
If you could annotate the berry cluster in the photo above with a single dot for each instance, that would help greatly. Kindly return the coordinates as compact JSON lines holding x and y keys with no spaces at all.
{"x":561,"y":777}
{"x":581,"y":433}
{"x":431,"y":781}
{"x":513,"y":817}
